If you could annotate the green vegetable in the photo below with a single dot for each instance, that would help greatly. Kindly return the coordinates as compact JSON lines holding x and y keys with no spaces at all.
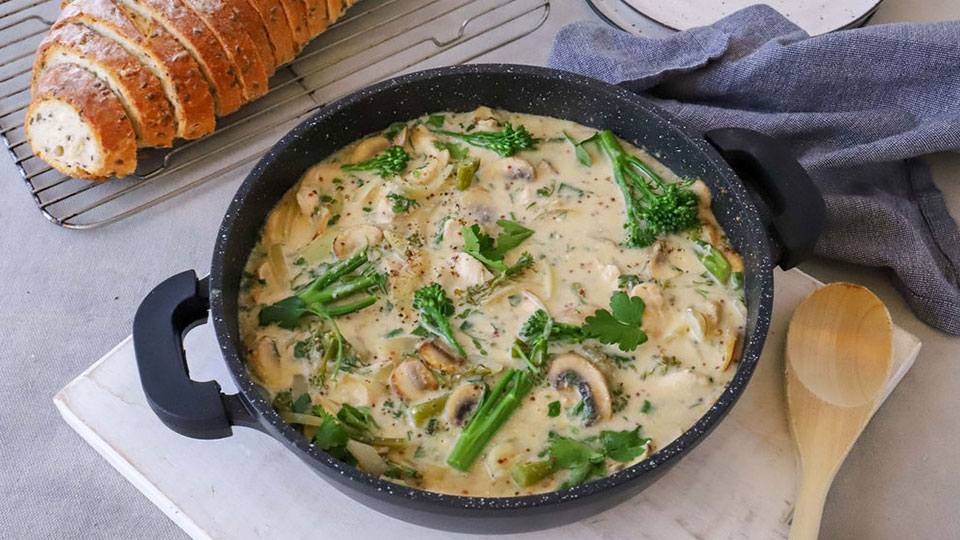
{"x":716,"y":264}
{"x":333,"y":432}
{"x":586,"y":461}
{"x":553,"y":409}
{"x":391,"y":161}
{"x":531,"y":473}
{"x":316,"y":297}
{"x":492,"y":412}
{"x":457,"y":151}
{"x":646,"y":406}
{"x":505,"y":142}
{"x":435,"y":311}
{"x":435,"y":120}
{"x":490,"y":252}
{"x":622,"y":326}
{"x":540,"y":321}
{"x":649,"y":213}
{"x":582,"y":155}
{"x":465,"y":173}
{"x":581,"y":459}
{"x":623,"y":446}
{"x":736,"y":278}
{"x":401,"y":204}
{"x":476,"y":293}
{"x":421,"y":412}
{"x":628,"y":282}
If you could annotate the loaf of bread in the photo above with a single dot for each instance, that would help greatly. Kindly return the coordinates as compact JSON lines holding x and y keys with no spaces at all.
{"x":113,"y":76}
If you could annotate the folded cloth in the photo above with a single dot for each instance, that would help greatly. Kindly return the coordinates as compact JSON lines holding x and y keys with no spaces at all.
{"x":856,"y":107}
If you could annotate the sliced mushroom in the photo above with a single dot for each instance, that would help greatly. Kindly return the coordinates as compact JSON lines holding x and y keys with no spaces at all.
{"x":475,"y":202}
{"x":573,"y":370}
{"x":356,"y":238}
{"x":461,"y":403}
{"x":369,"y":147}
{"x":412,"y":381}
{"x":512,"y":169}
{"x":438,"y":358}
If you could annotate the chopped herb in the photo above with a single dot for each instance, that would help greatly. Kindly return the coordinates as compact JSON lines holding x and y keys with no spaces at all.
{"x":439,"y":237}
{"x":572,"y":189}
{"x":547,"y":191}
{"x":553,"y":409}
{"x":419,"y":452}
{"x":393,"y":333}
{"x":618,"y":398}
{"x":401,"y":204}
{"x":646,"y":406}
{"x":515,"y":299}
{"x":628,"y":282}
{"x":435,"y":120}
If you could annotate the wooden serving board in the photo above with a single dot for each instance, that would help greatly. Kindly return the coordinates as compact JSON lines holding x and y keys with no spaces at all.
{"x":739,"y":483}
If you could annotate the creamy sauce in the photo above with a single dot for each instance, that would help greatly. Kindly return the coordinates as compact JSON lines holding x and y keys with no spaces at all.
{"x":576,"y":212}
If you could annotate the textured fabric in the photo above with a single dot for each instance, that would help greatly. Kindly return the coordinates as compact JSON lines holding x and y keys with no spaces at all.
{"x":856,"y":107}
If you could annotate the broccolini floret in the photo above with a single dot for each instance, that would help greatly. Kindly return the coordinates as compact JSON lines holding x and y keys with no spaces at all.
{"x":435,"y":309}
{"x":654,"y":207}
{"x":391,"y":161}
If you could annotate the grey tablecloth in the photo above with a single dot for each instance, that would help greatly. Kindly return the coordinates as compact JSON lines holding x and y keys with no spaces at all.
{"x":857,"y":108}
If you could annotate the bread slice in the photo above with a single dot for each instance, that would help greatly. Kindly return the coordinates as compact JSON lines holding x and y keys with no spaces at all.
{"x":158,"y":51}
{"x":77,"y":125}
{"x":278,"y":29}
{"x":138,"y":90}
{"x":334,"y":10}
{"x":316,"y":16}
{"x":240,"y":31}
{"x":296,"y":11}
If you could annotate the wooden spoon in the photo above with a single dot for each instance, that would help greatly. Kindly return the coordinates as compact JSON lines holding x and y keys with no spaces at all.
{"x":839,"y":347}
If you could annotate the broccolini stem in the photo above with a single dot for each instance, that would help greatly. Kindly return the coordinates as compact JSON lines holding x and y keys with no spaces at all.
{"x":492,"y":413}
{"x":336,"y":271}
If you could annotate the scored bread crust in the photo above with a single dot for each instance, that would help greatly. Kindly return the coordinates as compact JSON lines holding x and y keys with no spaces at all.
{"x":334,"y":10}
{"x":316,"y":16}
{"x":97,"y":107}
{"x":187,"y":28}
{"x":138,"y":90}
{"x":164,"y":56}
{"x":296,"y":12}
{"x":236,"y":24}
{"x":278,"y":29}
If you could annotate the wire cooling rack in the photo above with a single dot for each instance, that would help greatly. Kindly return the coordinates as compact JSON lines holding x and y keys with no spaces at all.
{"x":376,"y":39}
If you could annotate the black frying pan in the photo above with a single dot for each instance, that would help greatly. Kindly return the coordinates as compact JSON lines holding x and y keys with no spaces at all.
{"x":782,"y":231}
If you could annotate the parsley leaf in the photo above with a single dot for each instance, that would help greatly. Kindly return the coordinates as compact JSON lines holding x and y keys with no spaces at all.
{"x":582,"y":460}
{"x":490,"y":252}
{"x":623,"y":446}
{"x":553,"y":409}
{"x":622,"y":326}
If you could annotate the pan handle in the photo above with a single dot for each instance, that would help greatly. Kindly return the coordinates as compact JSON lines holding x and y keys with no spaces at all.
{"x":195,"y":409}
{"x":789,"y":202}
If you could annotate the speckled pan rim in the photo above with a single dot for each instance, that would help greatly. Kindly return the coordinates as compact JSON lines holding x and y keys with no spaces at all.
{"x":439,"y":502}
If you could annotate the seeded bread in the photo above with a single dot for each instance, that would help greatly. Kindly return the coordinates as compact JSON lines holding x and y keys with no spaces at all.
{"x":296,"y":12}
{"x":235,"y":23}
{"x":158,"y":51}
{"x":77,"y":125}
{"x":191,"y":32}
{"x":138,"y":90}
{"x":278,"y":29}
{"x":316,"y":16}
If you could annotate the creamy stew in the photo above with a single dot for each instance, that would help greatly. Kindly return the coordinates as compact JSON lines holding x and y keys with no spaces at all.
{"x":492,"y":304}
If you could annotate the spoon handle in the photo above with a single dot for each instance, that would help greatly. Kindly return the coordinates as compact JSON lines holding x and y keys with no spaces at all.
{"x":809,"y":506}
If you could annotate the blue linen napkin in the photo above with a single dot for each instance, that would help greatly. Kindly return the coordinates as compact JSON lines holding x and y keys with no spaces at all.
{"x":857,"y":108}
